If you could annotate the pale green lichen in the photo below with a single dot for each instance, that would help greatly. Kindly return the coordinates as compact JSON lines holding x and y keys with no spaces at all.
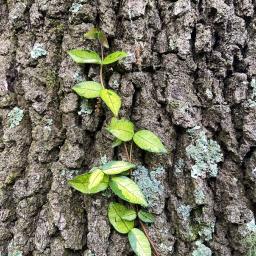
{"x":69,"y":174}
{"x":172,"y":44}
{"x":78,"y":76}
{"x":201,"y":250}
{"x":201,"y":230}
{"x":166,"y":248}
{"x":49,"y":123}
{"x":158,"y":172}
{"x":206,"y":232}
{"x":148,"y":183}
{"x":85,"y":108}
{"x":199,"y":196}
{"x":38,"y":51}
{"x":103,"y":159}
{"x":15,"y":116}
{"x":206,"y":154}
{"x":179,"y":167}
{"x":89,"y":253}
{"x":251,"y":226}
{"x":75,"y":7}
{"x":192,"y":131}
{"x":184,"y":211}
{"x":17,"y":253}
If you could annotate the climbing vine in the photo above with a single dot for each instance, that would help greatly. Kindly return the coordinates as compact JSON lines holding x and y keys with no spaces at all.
{"x":116,"y":174}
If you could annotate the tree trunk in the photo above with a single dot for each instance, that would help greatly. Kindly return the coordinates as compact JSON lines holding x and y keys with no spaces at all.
{"x":190,"y":77}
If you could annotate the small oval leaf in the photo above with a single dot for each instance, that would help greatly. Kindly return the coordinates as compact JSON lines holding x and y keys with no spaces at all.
{"x":130,"y":214}
{"x":113,"y":57}
{"x":146,"y":216}
{"x":81,"y":183}
{"x":116,"y":167}
{"x":139,"y":242}
{"x":95,"y":33}
{"x":127,"y":190}
{"x":88,"y":89}
{"x":148,"y":141}
{"x":84,"y":56}
{"x":92,"y":33}
{"x":112,"y":100}
{"x":123,"y":129}
{"x":115,"y":211}
{"x":95,"y":178}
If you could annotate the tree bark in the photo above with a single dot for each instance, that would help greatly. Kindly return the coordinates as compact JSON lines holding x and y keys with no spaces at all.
{"x":190,"y":77}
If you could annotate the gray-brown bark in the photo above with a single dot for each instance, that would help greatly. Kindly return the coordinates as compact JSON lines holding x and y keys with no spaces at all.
{"x":190,"y":77}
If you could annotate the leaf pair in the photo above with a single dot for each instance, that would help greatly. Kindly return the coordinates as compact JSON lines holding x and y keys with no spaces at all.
{"x":119,"y":214}
{"x":91,"y":89}
{"x":98,"y":180}
{"x":91,"y":57}
{"x":122,"y":219}
{"x":123,"y":130}
{"x":81,"y":183}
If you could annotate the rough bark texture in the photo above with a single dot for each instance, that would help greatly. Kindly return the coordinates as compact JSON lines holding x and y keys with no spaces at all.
{"x":190,"y":77}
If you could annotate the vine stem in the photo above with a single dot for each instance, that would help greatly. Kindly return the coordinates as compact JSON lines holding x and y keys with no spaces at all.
{"x":129,"y":157}
{"x":101,"y":66}
{"x":147,"y":235}
{"x":149,"y":239}
{"x":126,"y":151}
{"x":131,"y":152}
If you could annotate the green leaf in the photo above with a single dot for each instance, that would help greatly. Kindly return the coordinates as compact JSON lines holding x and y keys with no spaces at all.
{"x":116,"y":167}
{"x":148,"y":141}
{"x":130,"y":214}
{"x":95,"y":178}
{"x":123,"y":129}
{"x":127,"y":190}
{"x":113,"y":57}
{"x":116,"y":143}
{"x":81,"y":184}
{"x":112,"y":100}
{"x":146,"y":216}
{"x":92,"y":33}
{"x":139,"y":242}
{"x":88,"y":89}
{"x":115,"y":211}
{"x":95,"y":33}
{"x":84,"y":56}
{"x":103,"y":40}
